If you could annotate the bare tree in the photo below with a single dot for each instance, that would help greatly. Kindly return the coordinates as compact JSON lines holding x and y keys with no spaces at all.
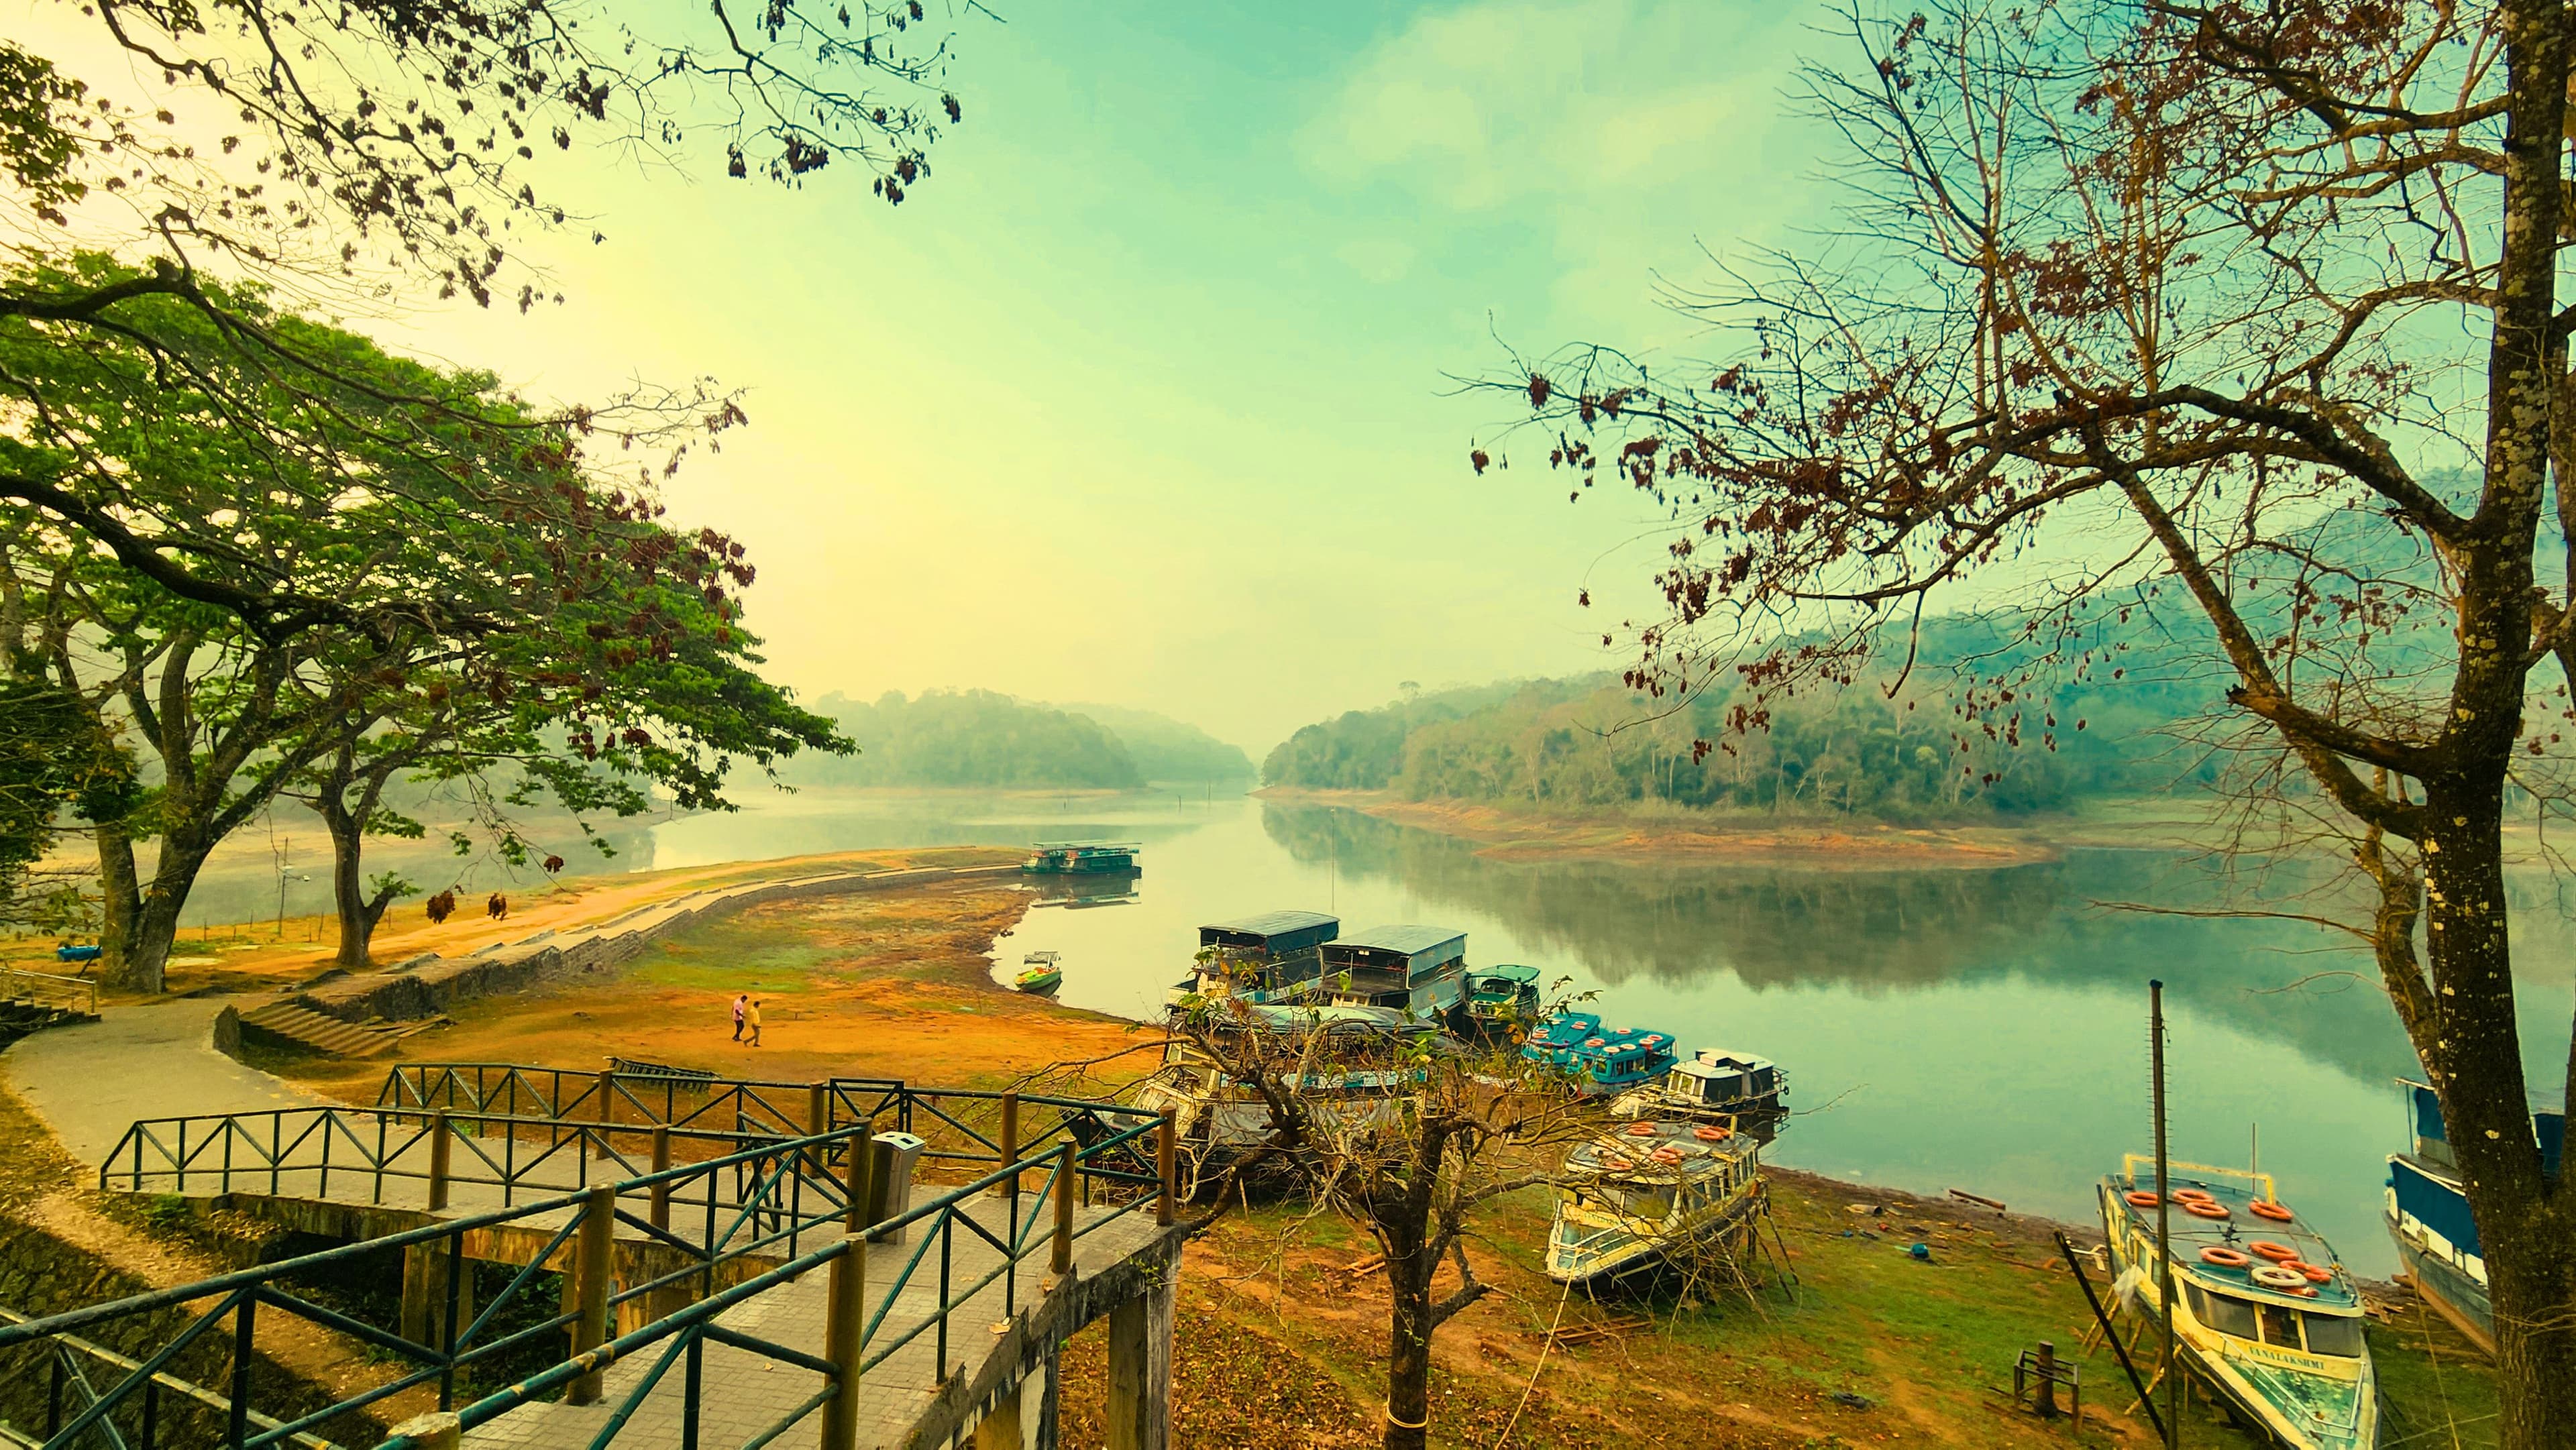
{"x":2155,"y":305}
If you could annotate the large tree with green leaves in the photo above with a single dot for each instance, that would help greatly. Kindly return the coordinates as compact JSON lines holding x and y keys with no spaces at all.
{"x":2188,"y":306}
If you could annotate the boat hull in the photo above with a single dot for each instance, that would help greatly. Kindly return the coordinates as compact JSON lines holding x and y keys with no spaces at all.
{"x":2444,"y":1285}
{"x":1046,"y":982}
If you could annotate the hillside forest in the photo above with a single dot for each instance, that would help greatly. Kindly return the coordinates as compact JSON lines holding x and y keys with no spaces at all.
{"x":980,"y":738}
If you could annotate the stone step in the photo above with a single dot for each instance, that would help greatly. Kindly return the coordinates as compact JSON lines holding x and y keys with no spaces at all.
{"x":308,"y":1028}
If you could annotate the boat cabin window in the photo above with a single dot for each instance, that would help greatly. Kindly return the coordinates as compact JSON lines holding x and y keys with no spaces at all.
{"x":2281,"y":1326}
{"x":2222,"y":1312}
{"x":2334,"y":1335}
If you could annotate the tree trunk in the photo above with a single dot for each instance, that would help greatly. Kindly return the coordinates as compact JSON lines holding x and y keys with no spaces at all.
{"x":358,"y":914}
{"x":156,"y":919}
{"x":1408,"y":1355}
{"x":120,"y":902}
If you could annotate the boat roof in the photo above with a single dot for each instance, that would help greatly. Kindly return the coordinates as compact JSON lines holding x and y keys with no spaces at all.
{"x":1088,"y":845}
{"x":1719,"y":1059}
{"x":2236,"y":1191}
{"x":1293,"y":1017}
{"x":1571,"y":1034}
{"x":1628,"y":1152}
{"x":1507,"y":971}
{"x":1275,"y":923}
{"x":1410,"y":940}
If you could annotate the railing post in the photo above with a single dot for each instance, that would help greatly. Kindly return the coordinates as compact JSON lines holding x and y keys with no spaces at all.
{"x":440,"y":1431}
{"x":441,"y":1144}
{"x":844,"y":1331}
{"x":856,"y":1178}
{"x":607,"y":1102}
{"x":1061,"y":1262}
{"x":591,"y":1270}
{"x":1166,"y":1165}
{"x":238,"y":1434}
{"x":661,"y":1196}
{"x":1010,"y":1187}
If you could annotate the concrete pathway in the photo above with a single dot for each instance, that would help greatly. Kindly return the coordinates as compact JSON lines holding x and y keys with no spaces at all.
{"x":90,"y":1082}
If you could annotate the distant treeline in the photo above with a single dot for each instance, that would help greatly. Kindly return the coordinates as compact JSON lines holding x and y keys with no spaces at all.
{"x":971,"y":738}
{"x":1862,"y":750}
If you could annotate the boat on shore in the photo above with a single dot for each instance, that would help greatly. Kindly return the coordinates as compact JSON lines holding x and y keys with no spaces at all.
{"x":1040,"y":972}
{"x":1601,"y":1061}
{"x":1359,"y":1072}
{"x":1494,"y":1000}
{"x":2428,"y":1214}
{"x":1712,"y":1085}
{"x":2266,"y":1315}
{"x":1651,"y":1195}
{"x":1411,"y":969}
{"x":1273,"y":957}
{"x":1083,"y":858}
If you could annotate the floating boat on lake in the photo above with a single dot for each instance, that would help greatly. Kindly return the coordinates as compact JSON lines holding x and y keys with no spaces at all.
{"x":1601,"y":1060}
{"x":1360,"y":1072}
{"x":1039,"y":972}
{"x":1648,"y":1194}
{"x":1496,"y":999}
{"x":2428,"y":1214}
{"x":2268,"y":1318}
{"x":1082,"y":858}
{"x":1267,"y":958}
{"x":1415,"y":969}
{"x":1711,"y":1085}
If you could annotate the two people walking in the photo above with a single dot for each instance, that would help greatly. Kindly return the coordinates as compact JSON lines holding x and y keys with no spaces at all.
{"x":746,"y":1013}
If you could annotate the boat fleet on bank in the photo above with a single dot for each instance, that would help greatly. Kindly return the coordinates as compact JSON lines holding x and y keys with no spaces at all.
{"x":2262,"y":1310}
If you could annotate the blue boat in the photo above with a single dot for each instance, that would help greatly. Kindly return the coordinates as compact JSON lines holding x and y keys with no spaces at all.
{"x":1413,"y":969}
{"x":1274,"y":957}
{"x":1599,"y":1059}
{"x":2428,"y":1214}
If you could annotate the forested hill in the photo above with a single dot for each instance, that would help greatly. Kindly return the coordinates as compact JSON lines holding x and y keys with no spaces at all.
{"x":1590,"y":742}
{"x":978,"y":738}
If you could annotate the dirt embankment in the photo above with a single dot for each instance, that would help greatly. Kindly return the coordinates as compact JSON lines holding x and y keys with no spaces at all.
{"x":1512,"y":834}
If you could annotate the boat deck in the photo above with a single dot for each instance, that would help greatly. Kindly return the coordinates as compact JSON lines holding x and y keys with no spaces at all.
{"x":2238,"y":1230}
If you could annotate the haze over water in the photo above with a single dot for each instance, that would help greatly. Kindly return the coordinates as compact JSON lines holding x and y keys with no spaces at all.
{"x":1984,"y":1030}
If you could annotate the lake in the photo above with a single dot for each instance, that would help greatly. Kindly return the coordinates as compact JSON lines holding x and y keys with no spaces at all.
{"x":1977,"y":1029}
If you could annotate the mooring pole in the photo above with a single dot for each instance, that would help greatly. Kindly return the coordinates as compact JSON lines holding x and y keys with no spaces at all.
{"x":2164,"y":1219}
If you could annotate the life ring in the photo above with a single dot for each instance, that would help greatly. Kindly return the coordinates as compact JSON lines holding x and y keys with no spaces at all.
{"x":2140,"y":1198}
{"x":2282,"y":1254}
{"x":1592,"y":1042}
{"x":2267,"y":1208}
{"x":2194,"y":1195}
{"x":1617,"y":1165}
{"x":2316,"y":1273}
{"x":2198,"y":1209}
{"x":2304,"y":1292}
{"x":2224,"y":1258}
{"x":1709,"y":1133}
{"x":2273,"y":1276}
{"x":1667,"y":1155}
{"x":1641,"y":1129}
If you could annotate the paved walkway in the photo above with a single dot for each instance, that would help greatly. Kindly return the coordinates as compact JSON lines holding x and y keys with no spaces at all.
{"x":90,"y":1082}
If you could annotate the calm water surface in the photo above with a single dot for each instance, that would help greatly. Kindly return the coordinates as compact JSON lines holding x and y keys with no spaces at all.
{"x":1984,"y":1030}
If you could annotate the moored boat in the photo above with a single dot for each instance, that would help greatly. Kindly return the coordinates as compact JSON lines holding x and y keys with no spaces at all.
{"x":1268,"y":958}
{"x":2266,"y":1316}
{"x":1497,"y":999}
{"x":1711,"y":1085}
{"x":1359,"y":1070}
{"x":1647,"y":1194}
{"x":1039,"y":972}
{"x":1600,"y":1060}
{"x":2428,"y":1214}
{"x":1412,"y":969}
{"x":1082,"y":858}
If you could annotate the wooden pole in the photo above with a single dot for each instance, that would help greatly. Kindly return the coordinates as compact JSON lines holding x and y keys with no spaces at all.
{"x":660,"y":1210}
{"x":1010,"y":1187}
{"x":2164,"y":1216}
{"x":844,"y":1331}
{"x":1061,"y":1262}
{"x":592,"y":1266}
{"x":1166,"y":1165}
{"x":441,"y":1149}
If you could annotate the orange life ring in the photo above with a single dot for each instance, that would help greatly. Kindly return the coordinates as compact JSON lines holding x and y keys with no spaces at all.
{"x":2142,"y":1199}
{"x":2317,"y":1274}
{"x":2304,"y":1291}
{"x":2281,"y":1254}
{"x":1641,"y":1129}
{"x":2194,"y":1195}
{"x":1617,"y":1165}
{"x":1712,"y":1133}
{"x":2198,"y":1209}
{"x":1592,"y":1042}
{"x":2267,"y":1208}
{"x":1667,"y":1155}
{"x":2223,"y":1257}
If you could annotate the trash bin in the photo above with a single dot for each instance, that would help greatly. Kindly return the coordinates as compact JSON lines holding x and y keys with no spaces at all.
{"x":890,"y":1180}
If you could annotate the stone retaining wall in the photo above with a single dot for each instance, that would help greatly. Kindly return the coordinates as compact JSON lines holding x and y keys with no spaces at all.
{"x":425,"y":987}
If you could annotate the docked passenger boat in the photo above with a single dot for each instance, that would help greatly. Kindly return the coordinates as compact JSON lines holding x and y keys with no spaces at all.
{"x":1273,"y":957}
{"x":1082,"y":858}
{"x":2428,"y":1214}
{"x":1496,"y":999}
{"x":1602,"y":1061}
{"x":1649,"y":1194}
{"x":1712,"y":1085}
{"x":1039,"y":972}
{"x":1358,"y":1074}
{"x":2268,"y":1318}
{"x":1415,"y":969}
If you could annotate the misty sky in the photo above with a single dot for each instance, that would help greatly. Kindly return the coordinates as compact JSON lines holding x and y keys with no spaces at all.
{"x":1141,"y":397}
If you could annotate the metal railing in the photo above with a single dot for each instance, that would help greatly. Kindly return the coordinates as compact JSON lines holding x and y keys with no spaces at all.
{"x":746,"y":1215}
{"x":74,"y":994}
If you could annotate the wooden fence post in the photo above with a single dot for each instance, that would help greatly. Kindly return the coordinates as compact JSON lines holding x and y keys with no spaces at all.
{"x":442,"y":1142}
{"x":1166,"y":1165}
{"x":1009,"y":1187}
{"x":1061,"y":1262}
{"x":844,"y":1329}
{"x":661,"y":1193}
{"x":593,"y":1264}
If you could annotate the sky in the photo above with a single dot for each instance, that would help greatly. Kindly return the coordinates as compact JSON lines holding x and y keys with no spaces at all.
{"x":1147,"y":394}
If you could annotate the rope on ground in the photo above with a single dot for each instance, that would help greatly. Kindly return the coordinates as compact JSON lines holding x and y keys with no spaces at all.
{"x":1544,"y":1347}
